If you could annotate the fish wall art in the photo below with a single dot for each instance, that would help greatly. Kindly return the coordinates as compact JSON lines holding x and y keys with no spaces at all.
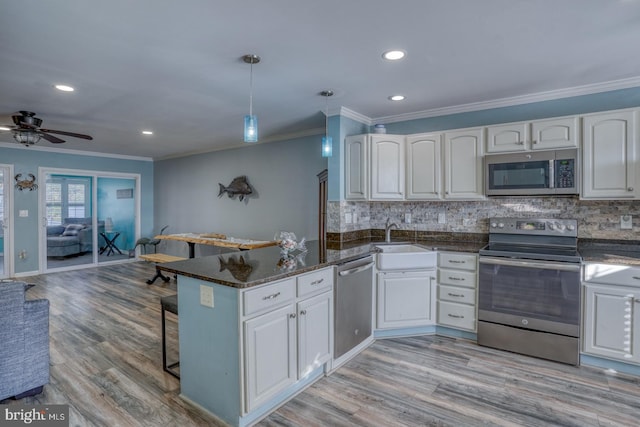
{"x":239,"y":186}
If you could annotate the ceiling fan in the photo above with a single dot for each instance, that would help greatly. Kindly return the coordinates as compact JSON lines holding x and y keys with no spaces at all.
{"x":27,"y":130}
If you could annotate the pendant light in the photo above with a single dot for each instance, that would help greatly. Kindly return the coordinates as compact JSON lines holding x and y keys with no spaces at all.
{"x":251,"y":121}
{"x":327,"y":141}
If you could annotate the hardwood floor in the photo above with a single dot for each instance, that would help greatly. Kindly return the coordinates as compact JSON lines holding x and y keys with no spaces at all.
{"x":106,"y":364}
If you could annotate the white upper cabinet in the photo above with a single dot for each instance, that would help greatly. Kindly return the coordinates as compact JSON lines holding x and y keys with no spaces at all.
{"x":387,"y":167}
{"x":555,"y":133}
{"x":538,"y":135}
{"x":610,"y":155}
{"x":356,"y":168}
{"x":423,"y":166}
{"x":509,"y":137}
{"x":463,"y":164}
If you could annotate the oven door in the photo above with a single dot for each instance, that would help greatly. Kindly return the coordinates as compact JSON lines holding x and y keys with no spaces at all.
{"x":536,"y":295}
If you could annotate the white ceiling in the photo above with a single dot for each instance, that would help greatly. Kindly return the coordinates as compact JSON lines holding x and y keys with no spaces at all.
{"x":175,"y":66}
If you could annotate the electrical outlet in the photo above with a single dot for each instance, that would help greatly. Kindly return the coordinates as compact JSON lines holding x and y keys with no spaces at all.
{"x":442,"y":218}
{"x":626,"y":222}
{"x":206,"y":296}
{"x":348,"y":218}
{"x":23,"y":213}
{"x":407,"y":218}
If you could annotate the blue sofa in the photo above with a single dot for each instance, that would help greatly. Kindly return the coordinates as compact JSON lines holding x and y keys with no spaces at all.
{"x":61,"y":241}
{"x":24,"y":338}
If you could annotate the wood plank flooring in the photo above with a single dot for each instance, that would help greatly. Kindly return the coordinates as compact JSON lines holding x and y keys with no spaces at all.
{"x":106,"y":364}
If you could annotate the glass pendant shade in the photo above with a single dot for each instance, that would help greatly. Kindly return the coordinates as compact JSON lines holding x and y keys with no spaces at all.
{"x":327,"y":146}
{"x":250,"y":128}
{"x":26,"y":138}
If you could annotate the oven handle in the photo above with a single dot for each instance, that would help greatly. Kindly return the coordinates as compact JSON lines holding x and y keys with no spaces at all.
{"x":530,"y":264}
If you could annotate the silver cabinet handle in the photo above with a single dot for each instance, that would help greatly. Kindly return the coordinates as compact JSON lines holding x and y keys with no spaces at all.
{"x":630,"y":189}
{"x":292,"y":316}
{"x":459,"y":279}
{"x":453,"y":261}
{"x":520,"y":142}
{"x":303,"y":312}
{"x":272,"y":296}
{"x":636,"y":277}
{"x":455,"y":295}
{"x":316,"y":282}
{"x":534,"y":141}
{"x":455,"y":316}
{"x":637,"y":300}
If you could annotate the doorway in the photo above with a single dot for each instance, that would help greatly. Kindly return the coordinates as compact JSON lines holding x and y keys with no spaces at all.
{"x":89,"y":218}
{"x":6,"y":243}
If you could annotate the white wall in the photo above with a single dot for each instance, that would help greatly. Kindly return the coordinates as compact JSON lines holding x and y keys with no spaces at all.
{"x":283,"y":175}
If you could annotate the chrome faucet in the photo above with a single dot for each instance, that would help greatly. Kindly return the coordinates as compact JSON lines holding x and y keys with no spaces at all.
{"x":387,"y":231}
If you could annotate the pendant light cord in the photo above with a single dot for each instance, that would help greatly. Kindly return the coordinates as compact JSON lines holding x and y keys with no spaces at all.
{"x":251,"y":90}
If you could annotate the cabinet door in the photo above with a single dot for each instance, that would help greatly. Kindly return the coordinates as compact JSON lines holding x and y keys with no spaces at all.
{"x":423,"y":166}
{"x":315,"y":332}
{"x":463,"y":164}
{"x":355,"y":167}
{"x":611,"y":325}
{"x":610,"y":155}
{"x":555,"y":133}
{"x":270,"y":355}
{"x":509,"y":137}
{"x":387,"y":167}
{"x":406,"y":299}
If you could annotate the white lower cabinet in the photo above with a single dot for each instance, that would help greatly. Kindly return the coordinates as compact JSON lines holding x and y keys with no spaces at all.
{"x":611,"y":319}
{"x":457,"y":284}
{"x":270,"y":355}
{"x":284,"y":343}
{"x":406,"y":299}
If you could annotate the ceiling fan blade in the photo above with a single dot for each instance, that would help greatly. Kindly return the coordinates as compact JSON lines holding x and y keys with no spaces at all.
{"x":51,"y":138}
{"x":61,"y":132}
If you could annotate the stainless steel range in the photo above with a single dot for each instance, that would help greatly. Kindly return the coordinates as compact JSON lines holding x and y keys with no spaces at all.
{"x":529,"y":288}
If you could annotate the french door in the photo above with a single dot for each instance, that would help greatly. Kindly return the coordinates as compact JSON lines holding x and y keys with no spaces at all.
{"x":88,"y":218}
{"x":6,"y":243}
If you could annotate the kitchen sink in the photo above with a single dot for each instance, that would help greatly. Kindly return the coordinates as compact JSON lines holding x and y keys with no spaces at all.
{"x":405,"y":257}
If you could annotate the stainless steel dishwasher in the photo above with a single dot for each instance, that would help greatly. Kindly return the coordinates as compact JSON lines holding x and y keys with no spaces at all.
{"x":353,"y":304}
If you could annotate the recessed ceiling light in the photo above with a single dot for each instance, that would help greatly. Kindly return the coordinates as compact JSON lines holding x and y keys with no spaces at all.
{"x":397,"y":98}
{"x":394,"y":55}
{"x":4,"y":128}
{"x":147,"y":132}
{"x":64,"y":88}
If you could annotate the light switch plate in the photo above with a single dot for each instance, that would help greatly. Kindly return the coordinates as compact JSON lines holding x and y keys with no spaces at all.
{"x":206,"y":296}
{"x":442,"y":218}
{"x":348,"y":218}
{"x":23,"y":213}
{"x":407,"y":218}
{"x":626,"y":222}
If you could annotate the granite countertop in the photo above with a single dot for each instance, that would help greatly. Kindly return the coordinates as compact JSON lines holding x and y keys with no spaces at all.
{"x":250,"y":268}
{"x":623,"y":252}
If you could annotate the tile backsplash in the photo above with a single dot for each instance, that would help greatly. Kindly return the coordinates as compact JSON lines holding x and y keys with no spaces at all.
{"x":597,"y":219}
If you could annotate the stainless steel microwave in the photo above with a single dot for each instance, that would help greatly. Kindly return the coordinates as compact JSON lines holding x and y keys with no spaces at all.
{"x":532,"y":173}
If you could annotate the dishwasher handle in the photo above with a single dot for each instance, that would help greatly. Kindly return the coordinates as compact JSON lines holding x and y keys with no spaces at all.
{"x":357,"y":269}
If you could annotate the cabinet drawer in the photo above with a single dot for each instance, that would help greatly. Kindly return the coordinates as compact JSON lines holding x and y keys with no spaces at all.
{"x":457,"y":278}
{"x":460,"y":295}
{"x":268,"y":297}
{"x":457,"y":261}
{"x":457,"y":315}
{"x":315,"y":282}
{"x":612,"y":274}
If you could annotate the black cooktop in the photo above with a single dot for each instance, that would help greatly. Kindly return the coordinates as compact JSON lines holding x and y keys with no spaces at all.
{"x":531,"y":252}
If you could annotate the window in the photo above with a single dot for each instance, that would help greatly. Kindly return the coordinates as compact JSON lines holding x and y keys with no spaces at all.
{"x":66,"y":197}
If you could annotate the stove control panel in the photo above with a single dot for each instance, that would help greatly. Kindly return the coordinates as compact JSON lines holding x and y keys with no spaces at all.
{"x":534,"y":226}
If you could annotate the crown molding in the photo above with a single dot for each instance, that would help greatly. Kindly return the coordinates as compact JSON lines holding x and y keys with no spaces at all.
{"x":36,"y":147}
{"x":345,"y":112}
{"x":275,"y":138}
{"x":515,"y":100}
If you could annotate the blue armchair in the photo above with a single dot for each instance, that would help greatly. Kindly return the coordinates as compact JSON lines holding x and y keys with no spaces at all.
{"x":24,"y":338}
